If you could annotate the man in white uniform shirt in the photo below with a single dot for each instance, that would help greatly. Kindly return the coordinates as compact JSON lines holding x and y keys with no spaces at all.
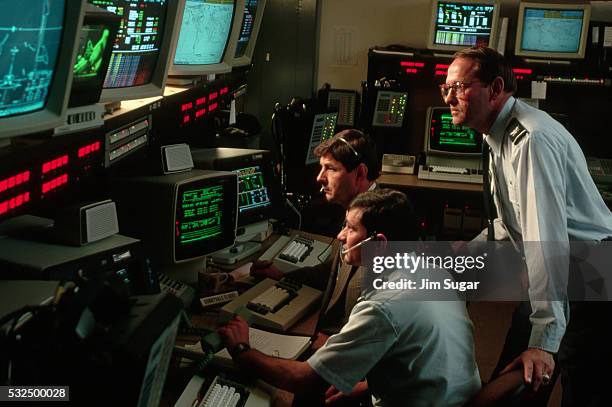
{"x":543,"y":193}
{"x":411,"y":352}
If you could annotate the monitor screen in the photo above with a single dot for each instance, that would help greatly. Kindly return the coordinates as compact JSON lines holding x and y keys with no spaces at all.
{"x":37,"y":43}
{"x":93,"y":55}
{"x":202,"y":215}
{"x":138,"y":40}
{"x":139,"y":59}
{"x":205,"y":31}
{"x":256,"y":179}
{"x":552,"y":30}
{"x":253,"y":191}
{"x":461,"y":24}
{"x":445,"y":137}
{"x":246,"y":28}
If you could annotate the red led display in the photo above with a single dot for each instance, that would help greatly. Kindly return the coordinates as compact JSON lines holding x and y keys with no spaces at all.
{"x":441,"y":69}
{"x":412,"y":64}
{"x":15,"y":180}
{"x":13,"y":203}
{"x":186,"y":119}
{"x":201,"y":101}
{"x":224,"y":90}
{"x":212,"y":106}
{"x":186,"y":106}
{"x":213,"y":96}
{"x":200,"y":113}
{"x":54,"y":183}
{"x":88,"y":149}
{"x":54,"y":164}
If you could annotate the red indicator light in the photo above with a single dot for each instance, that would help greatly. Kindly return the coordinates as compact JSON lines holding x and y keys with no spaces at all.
{"x":186,"y":119}
{"x":522,"y":70}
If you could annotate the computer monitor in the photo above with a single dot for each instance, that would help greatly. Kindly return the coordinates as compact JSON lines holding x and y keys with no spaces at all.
{"x":38,"y":47}
{"x":249,"y":29}
{"x":140,"y":56}
{"x":206,"y":27}
{"x":552,"y":31}
{"x":257,"y":193}
{"x":458,"y":24}
{"x":180,"y":217}
{"x":445,"y":138}
{"x":93,"y":55}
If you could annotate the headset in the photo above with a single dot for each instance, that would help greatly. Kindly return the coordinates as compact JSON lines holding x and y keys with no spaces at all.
{"x":373,"y":236}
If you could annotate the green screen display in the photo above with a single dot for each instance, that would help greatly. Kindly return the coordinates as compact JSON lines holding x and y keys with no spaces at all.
{"x":93,"y":42}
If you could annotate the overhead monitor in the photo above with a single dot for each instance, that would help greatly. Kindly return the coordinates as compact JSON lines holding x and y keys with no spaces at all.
{"x":140,"y":56}
{"x":460,"y":24}
{"x":200,"y":45}
{"x":94,"y":50}
{"x":258,"y":192}
{"x":443,"y":137}
{"x":38,"y":44}
{"x":249,"y":29}
{"x":180,"y":217}
{"x":552,"y":31}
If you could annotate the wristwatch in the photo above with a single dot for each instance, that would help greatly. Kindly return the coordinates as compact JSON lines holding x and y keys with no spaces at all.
{"x":239,"y":348}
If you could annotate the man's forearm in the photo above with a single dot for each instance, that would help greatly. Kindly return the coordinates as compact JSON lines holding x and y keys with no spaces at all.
{"x":290,"y":375}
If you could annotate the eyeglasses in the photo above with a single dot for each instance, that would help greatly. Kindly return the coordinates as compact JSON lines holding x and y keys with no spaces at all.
{"x":458,"y":87}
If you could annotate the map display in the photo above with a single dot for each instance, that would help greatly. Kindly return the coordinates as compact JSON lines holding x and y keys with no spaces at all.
{"x":205,"y":30}
{"x":552,"y":30}
{"x":29,"y":44}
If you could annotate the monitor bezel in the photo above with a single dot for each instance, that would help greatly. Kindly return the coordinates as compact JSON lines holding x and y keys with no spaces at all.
{"x":435,"y":151}
{"x":432,"y":27}
{"x":247,"y":58}
{"x":586,"y":17}
{"x":53,"y":113}
{"x":200,"y":70}
{"x":158,"y":79}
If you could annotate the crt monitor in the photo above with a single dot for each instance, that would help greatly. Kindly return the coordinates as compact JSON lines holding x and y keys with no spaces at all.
{"x":257,"y":190}
{"x":552,"y":31}
{"x":93,"y":55}
{"x":180,"y":217}
{"x":140,"y":56}
{"x":249,"y":29}
{"x":38,"y":42}
{"x":206,"y":28}
{"x":444,"y":138}
{"x":460,"y":24}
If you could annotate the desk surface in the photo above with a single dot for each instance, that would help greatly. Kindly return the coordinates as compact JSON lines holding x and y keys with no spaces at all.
{"x":412,"y":181}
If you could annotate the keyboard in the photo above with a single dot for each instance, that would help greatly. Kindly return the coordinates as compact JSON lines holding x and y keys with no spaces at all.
{"x":448,"y":173}
{"x":224,"y":393}
{"x":398,"y":163}
{"x":291,"y":253}
{"x":275,"y":304}
{"x":181,"y":290}
{"x":202,"y":391}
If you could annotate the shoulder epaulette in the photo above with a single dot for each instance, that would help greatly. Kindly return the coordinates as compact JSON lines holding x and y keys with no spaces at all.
{"x":516,"y":131}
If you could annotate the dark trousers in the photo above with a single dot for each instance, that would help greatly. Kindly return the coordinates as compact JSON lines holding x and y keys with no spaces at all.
{"x":584,"y":358}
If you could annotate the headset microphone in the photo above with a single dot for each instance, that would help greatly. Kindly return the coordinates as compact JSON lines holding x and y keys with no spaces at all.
{"x":322,"y":190}
{"x":372,"y":237}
